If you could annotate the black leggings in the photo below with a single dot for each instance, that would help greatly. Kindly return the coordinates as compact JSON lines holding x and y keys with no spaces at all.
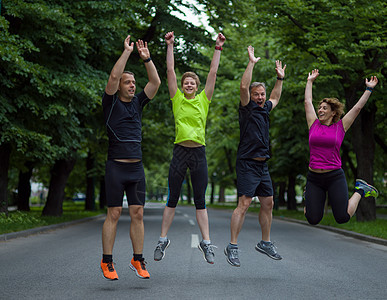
{"x":128,"y":177}
{"x":317,"y":185}
{"x":195,"y":160}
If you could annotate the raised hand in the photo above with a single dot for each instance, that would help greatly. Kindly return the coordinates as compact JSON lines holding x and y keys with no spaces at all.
{"x":252,"y":58}
{"x":280,"y":71}
{"x":312,"y":76}
{"x":372,"y":82}
{"x":220,"y":40}
{"x":143,"y":50}
{"x":170,"y":38}
{"x":127,"y":45}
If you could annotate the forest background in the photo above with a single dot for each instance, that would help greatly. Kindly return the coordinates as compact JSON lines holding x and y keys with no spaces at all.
{"x":56,"y":56}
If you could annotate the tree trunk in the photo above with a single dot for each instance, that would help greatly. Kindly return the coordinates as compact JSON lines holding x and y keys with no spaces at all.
{"x":281,"y":193}
{"x":364,"y":147}
{"x":222,"y":198}
{"x":90,"y":183}
{"x":292,"y":204}
{"x":5,"y":152}
{"x":212,"y":191}
{"x":24,"y":187}
{"x":102,"y":193}
{"x":56,"y":194}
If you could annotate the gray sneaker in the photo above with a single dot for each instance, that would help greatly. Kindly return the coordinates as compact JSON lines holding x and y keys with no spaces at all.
{"x":268,"y":250}
{"x":232,"y":254}
{"x":208,"y":252}
{"x":160,"y":250}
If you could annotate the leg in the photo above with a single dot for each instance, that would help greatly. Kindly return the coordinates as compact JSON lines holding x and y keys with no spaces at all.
{"x":238,"y":217}
{"x":315,"y":196}
{"x":168,"y":215}
{"x":338,"y":197}
{"x":109,"y":229}
{"x":137,"y":228}
{"x":266,"y":216}
{"x":202,"y":219}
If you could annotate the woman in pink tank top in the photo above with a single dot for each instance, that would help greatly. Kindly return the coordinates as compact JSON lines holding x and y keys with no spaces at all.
{"x":325,"y":175}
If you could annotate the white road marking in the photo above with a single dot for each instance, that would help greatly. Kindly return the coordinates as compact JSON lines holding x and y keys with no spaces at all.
{"x":192,"y":222}
{"x":194,"y":240}
{"x":186,"y":216}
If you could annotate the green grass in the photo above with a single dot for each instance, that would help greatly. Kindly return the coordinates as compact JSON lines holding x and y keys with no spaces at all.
{"x":377,"y":228}
{"x":18,"y":220}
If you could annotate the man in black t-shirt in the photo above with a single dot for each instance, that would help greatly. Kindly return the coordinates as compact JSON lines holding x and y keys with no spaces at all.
{"x":122,"y":109}
{"x":253,"y":178}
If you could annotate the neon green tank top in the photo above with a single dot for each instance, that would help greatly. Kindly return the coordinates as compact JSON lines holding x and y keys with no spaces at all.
{"x":190,"y":117}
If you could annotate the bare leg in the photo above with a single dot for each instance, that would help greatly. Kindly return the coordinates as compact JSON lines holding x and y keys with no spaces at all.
{"x":265,"y":216}
{"x":202,"y":218}
{"x":238,"y":217}
{"x":109,"y":229}
{"x":168,"y":215}
{"x":137,"y":228}
{"x":353,"y":202}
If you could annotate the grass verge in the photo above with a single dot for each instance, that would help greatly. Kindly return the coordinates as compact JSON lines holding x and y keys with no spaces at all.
{"x":18,"y":220}
{"x":377,"y":228}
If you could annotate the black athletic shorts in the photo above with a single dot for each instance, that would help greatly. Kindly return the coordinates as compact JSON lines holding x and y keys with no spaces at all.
{"x":128,"y":177}
{"x":253,"y":178}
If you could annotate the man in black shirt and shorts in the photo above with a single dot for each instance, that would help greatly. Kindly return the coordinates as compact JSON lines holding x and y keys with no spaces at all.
{"x":124,"y":170}
{"x":253,"y":178}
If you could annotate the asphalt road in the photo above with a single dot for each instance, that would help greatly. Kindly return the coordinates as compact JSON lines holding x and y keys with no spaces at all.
{"x":317,"y":264}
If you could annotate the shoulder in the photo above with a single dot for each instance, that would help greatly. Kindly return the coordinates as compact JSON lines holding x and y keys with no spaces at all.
{"x":268,"y":106}
{"x":203,"y":96}
{"x":178,"y":95}
{"x":107,"y":99}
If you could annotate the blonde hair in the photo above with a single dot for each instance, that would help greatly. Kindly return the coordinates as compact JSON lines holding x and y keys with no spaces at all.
{"x":192,"y":75}
{"x":336,"y":106}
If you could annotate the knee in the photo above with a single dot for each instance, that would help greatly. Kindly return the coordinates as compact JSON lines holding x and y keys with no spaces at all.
{"x":136,"y":213}
{"x":342,"y":219}
{"x":267,"y":203}
{"x":312,"y":220}
{"x":243,"y":204}
{"x":114,"y":213}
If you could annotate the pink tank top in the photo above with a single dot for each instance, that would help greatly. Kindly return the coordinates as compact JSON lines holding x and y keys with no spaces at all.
{"x":324,"y":145}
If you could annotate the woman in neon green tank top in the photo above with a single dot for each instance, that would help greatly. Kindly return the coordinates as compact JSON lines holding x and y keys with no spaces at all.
{"x":190,"y":113}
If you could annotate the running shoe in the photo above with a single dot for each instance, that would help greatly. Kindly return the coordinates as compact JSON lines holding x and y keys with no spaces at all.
{"x":268,"y":250}
{"x":138,"y":266}
{"x":208,"y":252}
{"x":369,"y":190}
{"x":160,"y":250}
{"x":232,"y":254}
{"x":108,"y":270}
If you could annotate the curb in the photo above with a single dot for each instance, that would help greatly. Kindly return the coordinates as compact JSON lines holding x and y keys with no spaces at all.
{"x":352,"y":234}
{"x":25,"y":233}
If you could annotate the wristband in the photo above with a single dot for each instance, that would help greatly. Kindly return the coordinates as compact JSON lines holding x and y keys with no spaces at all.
{"x":369,"y":89}
{"x":147,"y":60}
{"x":279,"y":78}
{"x":218,"y":48}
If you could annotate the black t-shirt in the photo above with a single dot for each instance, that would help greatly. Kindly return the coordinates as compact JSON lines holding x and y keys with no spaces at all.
{"x":123,"y":122}
{"x":254,"y":130}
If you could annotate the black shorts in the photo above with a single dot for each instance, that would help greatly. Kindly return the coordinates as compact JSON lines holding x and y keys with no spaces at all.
{"x":128,"y":177}
{"x":253,"y":178}
{"x":194,"y":159}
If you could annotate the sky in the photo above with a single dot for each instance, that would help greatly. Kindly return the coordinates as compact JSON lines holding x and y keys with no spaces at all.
{"x":194,"y":19}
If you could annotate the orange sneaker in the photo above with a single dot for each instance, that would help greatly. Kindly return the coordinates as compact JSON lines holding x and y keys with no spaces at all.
{"x":108,"y":271}
{"x":139,"y":267}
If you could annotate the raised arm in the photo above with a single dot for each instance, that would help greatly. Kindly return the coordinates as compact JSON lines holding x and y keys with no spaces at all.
{"x":211,"y":77}
{"x":309,"y":109}
{"x":277,"y":90}
{"x":171,"y":75}
{"x":350,"y":117}
{"x":247,"y":75}
{"x":119,"y":67}
{"x":154,"y":82}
